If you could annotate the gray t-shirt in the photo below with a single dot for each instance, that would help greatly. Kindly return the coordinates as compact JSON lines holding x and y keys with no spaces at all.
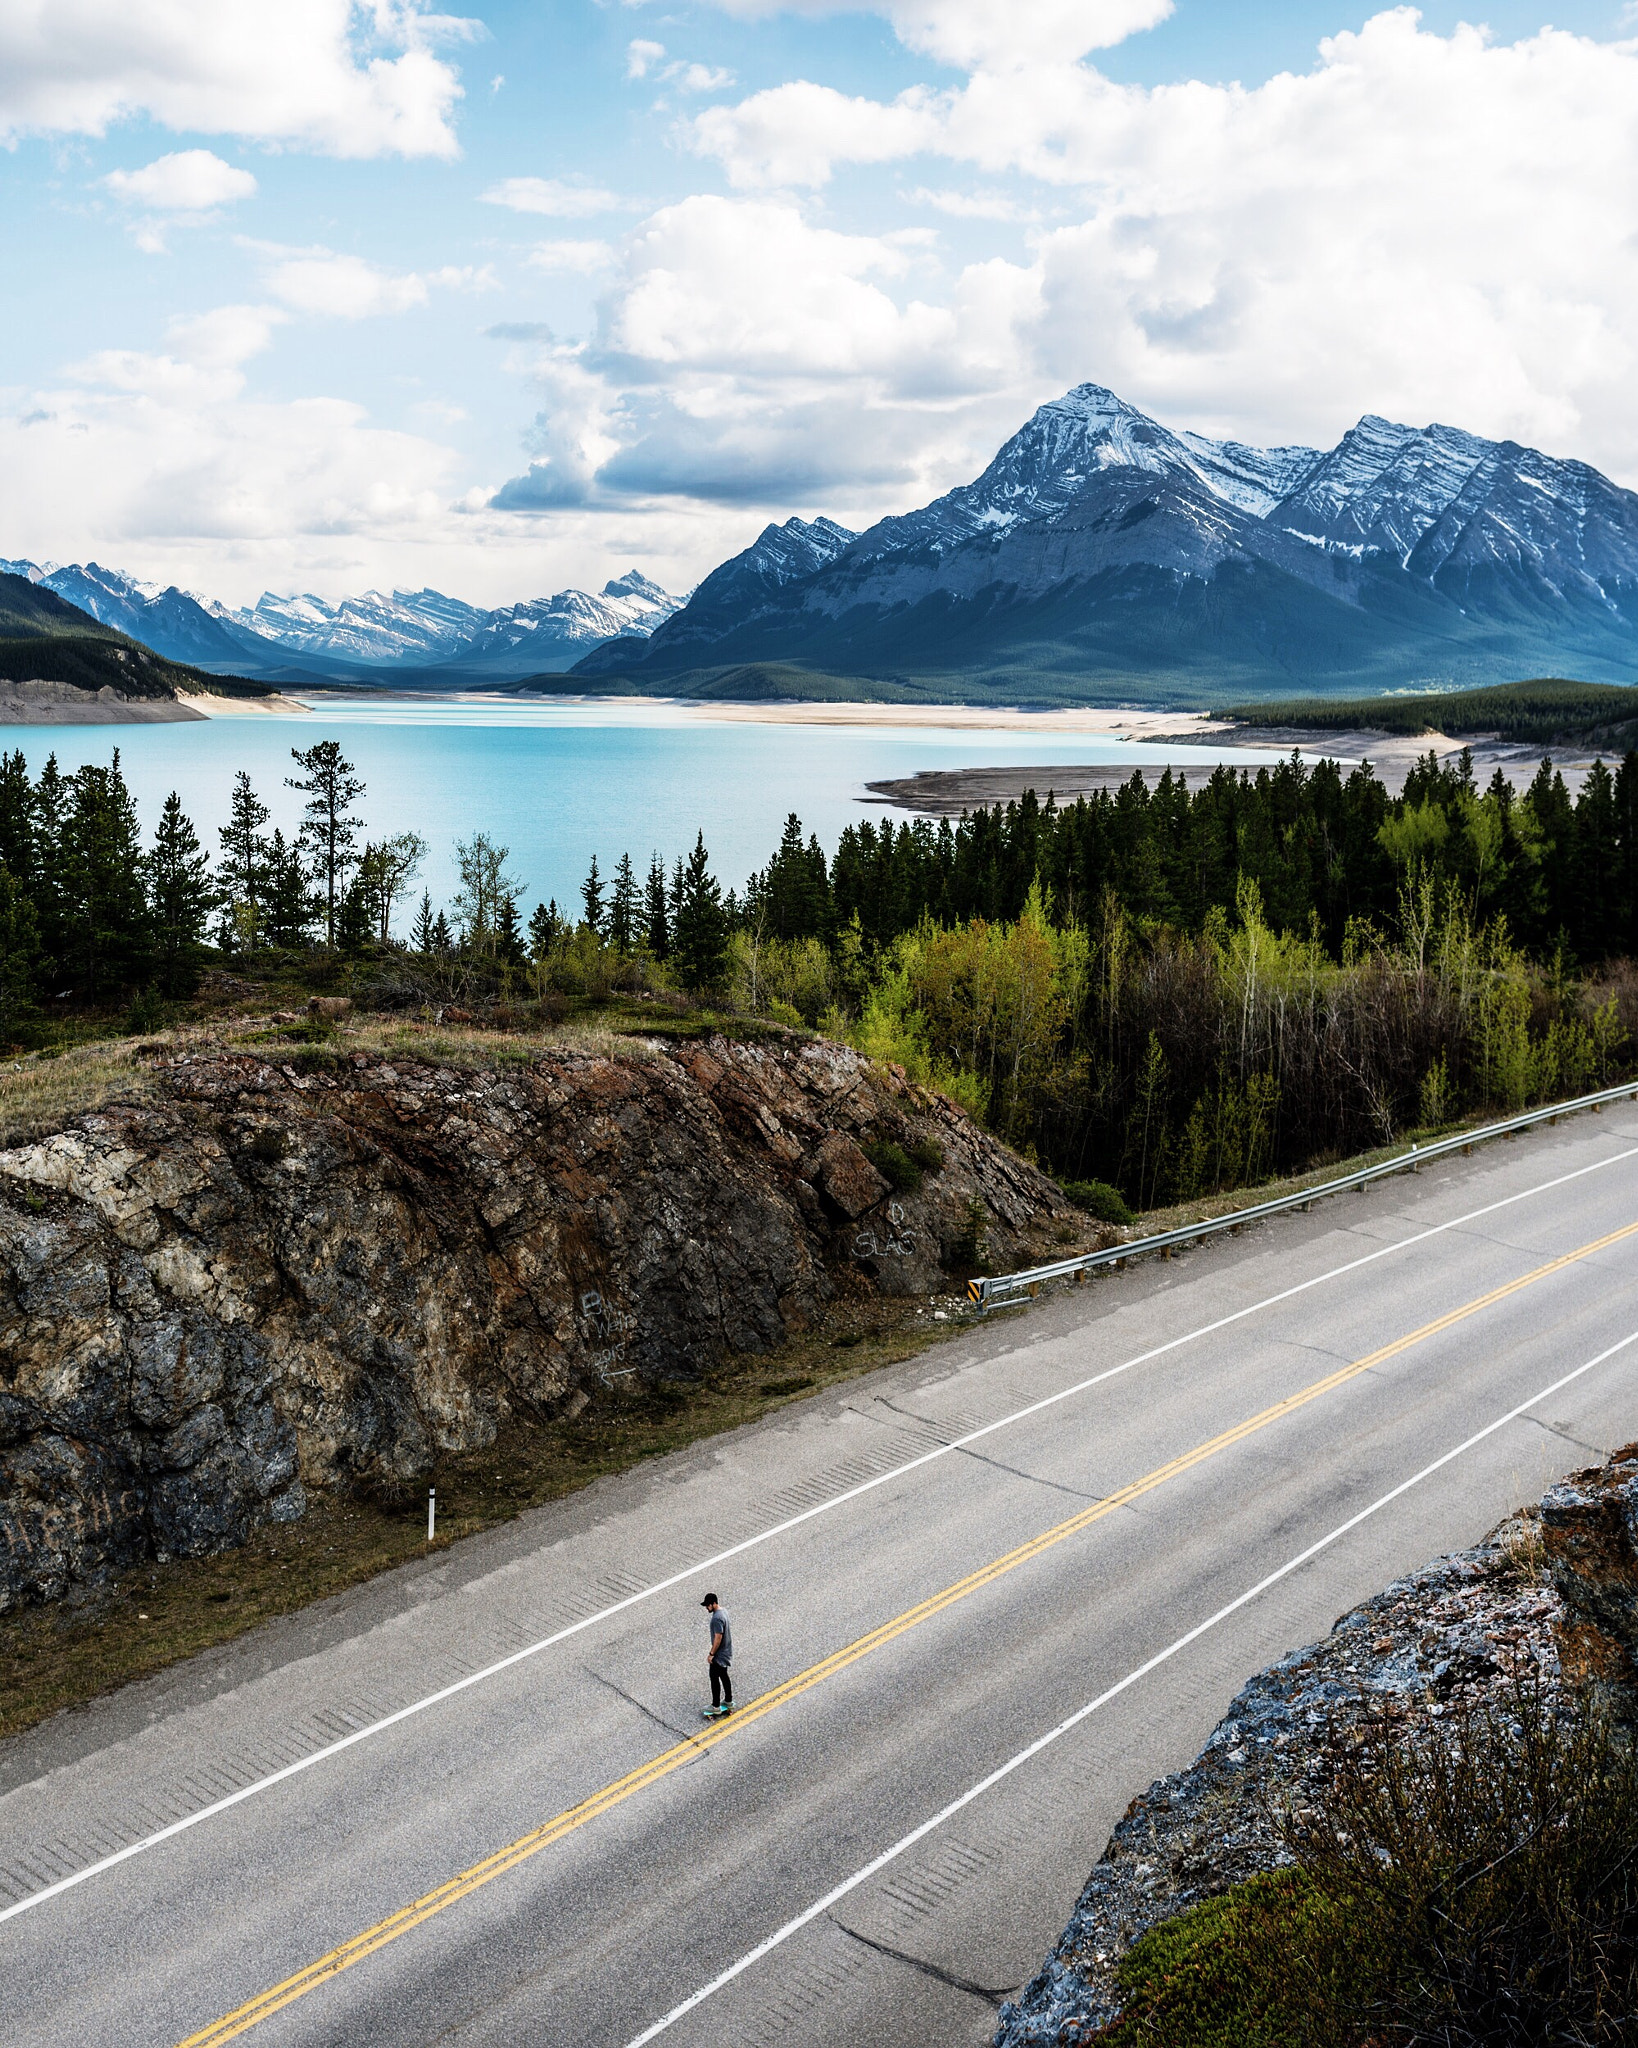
{"x":723,"y":1651}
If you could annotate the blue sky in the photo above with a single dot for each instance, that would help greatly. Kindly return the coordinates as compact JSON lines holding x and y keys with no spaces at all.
{"x":325,"y":295}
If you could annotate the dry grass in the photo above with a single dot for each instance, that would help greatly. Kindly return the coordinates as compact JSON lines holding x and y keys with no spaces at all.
{"x":41,"y":1092}
{"x":57,"y":1657}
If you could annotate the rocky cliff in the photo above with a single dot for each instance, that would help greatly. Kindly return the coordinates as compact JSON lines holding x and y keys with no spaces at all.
{"x":275,"y":1271}
{"x":1551,"y":1597}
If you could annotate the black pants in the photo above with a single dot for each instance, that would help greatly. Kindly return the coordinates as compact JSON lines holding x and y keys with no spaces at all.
{"x":722,"y":1686}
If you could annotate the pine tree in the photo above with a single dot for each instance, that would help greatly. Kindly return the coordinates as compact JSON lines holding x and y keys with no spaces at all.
{"x":106,"y":931}
{"x":181,"y":894}
{"x":625,"y":907}
{"x":509,"y":934}
{"x":17,"y":822}
{"x":329,"y":832}
{"x":443,"y":939}
{"x":656,"y":916}
{"x":355,"y":917}
{"x":244,"y":862}
{"x":288,"y":909}
{"x":421,"y":932}
{"x":699,"y":934}
{"x":591,"y":895}
{"x":19,"y":952}
{"x":50,"y":813}
{"x":545,"y":929}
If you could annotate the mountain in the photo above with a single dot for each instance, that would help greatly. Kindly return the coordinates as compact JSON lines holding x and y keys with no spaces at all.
{"x":287,"y":639}
{"x":425,"y":630}
{"x":51,"y":652}
{"x":1102,"y":551}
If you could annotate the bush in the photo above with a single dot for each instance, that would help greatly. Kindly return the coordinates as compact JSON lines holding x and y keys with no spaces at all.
{"x":1098,"y":1199}
{"x":1476,"y":1885}
{"x":894,"y":1164}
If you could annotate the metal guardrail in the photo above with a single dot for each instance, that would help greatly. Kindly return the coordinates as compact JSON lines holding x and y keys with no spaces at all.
{"x":1007,"y":1289}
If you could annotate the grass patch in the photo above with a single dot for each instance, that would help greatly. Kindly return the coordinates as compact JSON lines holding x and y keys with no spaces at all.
{"x":1476,"y":1884}
{"x":42,"y":1092}
{"x":59,"y":1656}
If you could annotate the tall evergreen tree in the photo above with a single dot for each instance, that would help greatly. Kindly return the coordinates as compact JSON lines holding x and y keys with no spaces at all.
{"x":545,"y":929}
{"x":106,"y":930}
{"x":699,"y":936}
{"x":509,"y":934}
{"x":421,"y":930}
{"x":591,"y":896}
{"x":329,"y":831}
{"x":656,"y":915}
{"x":18,"y":854}
{"x":288,"y":908}
{"x":181,"y":894}
{"x":443,"y":939}
{"x":50,"y":815}
{"x":355,"y":916}
{"x":244,"y":863}
{"x":19,"y":952}
{"x":625,"y":906}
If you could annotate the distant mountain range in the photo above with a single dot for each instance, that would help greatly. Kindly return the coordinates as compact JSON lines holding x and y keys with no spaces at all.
{"x":421,"y":636}
{"x":1100,"y":553}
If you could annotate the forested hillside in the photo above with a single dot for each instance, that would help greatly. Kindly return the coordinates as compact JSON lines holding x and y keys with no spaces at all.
{"x":1168,"y":990}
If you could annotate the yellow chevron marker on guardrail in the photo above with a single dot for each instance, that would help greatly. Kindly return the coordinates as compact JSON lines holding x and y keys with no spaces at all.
{"x":373,"y":1939}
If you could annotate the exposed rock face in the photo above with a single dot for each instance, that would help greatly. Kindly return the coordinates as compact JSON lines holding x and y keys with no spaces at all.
{"x":268,"y":1277}
{"x":1551,"y":1595}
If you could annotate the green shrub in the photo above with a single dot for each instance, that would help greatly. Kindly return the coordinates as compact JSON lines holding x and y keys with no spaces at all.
{"x":894,"y":1164}
{"x":1098,"y":1199}
{"x":928,"y":1154}
{"x":1474,"y":1885}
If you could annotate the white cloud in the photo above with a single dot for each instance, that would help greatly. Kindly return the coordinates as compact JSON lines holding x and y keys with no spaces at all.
{"x":187,"y":181}
{"x":584,"y":257}
{"x":795,"y":134}
{"x":342,"y":287}
{"x":642,"y":56}
{"x":353,"y":78}
{"x":551,"y":196}
{"x":697,"y":77}
{"x":988,"y":34}
{"x":979,"y":205}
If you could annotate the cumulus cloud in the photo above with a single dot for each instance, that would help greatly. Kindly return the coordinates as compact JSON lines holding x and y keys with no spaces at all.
{"x":187,"y":181}
{"x":1431,"y":226}
{"x":551,"y":196}
{"x":353,"y":78}
{"x":642,"y":56}
{"x":974,"y":34}
{"x":745,"y":354}
{"x":343,"y":287}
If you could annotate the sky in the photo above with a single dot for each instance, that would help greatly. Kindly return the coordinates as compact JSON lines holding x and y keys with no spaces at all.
{"x":337,"y":294}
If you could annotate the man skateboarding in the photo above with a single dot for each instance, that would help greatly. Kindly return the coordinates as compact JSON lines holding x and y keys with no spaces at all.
{"x":720,"y":1657}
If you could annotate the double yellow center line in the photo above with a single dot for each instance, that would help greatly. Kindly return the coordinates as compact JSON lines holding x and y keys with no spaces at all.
{"x":407,"y":1918}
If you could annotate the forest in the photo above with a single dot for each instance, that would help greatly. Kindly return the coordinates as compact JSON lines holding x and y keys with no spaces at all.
{"x":1167,"y":990}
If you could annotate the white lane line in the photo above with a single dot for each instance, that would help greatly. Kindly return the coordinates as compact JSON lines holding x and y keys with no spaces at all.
{"x":433,"y":1699}
{"x":820,"y":1906}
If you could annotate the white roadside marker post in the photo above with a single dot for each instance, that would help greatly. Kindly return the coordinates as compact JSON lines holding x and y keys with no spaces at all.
{"x":432,"y":1512}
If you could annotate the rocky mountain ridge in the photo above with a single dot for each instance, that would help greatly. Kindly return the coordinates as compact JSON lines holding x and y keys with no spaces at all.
{"x":350,"y":640}
{"x":275,"y":1269}
{"x":1099,"y":544}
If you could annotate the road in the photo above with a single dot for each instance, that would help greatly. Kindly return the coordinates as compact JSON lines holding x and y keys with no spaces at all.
{"x":933,"y":1568}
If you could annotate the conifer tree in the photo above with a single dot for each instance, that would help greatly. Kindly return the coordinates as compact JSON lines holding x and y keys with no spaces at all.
{"x":509,"y":934}
{"x":625,"y":907}
{"x":288,"y":908}
{"x":443,"y":939}
{"x":656,"y":916}
{"x":421,"y":932}
{"x":181,"y":894}
{"x":244,"y":863}
{"x":545,"y":929}
{"x":17,"y":822}
{"x":106,"y":933}
{"x":50,"y":812}
{"x":19,"y":952}
{"x":329,"y":832}
{"x":699,"y":934}
{"x":591,"y":895}
{"x":355,"y":916}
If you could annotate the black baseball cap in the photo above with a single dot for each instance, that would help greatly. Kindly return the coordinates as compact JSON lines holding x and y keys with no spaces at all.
{"x":710,"y":1600}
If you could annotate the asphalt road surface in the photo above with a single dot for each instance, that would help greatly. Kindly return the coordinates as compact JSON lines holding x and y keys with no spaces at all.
{"x":1105,"y":1512}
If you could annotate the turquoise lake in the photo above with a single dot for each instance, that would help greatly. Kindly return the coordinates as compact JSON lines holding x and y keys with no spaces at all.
{"x":555,"y":782}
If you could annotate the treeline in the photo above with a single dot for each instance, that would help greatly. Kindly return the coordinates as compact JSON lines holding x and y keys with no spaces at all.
{"x":1170,"y":990}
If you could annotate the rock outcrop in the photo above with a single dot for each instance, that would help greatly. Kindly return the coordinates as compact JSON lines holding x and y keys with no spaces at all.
{"x":1551,"y":1596}
{"x":274,"y":1273}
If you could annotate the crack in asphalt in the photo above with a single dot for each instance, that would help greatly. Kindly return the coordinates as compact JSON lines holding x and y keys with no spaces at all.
{"x":1580,"y":1442}
{"x":898,"y":1955}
